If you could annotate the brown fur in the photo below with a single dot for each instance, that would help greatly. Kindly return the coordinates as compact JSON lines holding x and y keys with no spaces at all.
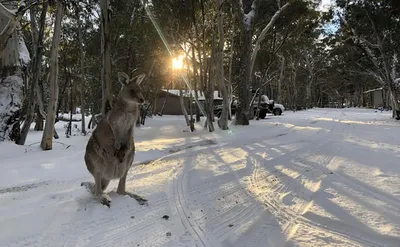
{"x":111,"y":148}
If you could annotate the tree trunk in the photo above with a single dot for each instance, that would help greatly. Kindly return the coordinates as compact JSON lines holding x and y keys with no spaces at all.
{"x":244,"y":15}
{"x":164,"y":103}
{"x":39,"y":121}
{"x":47,"y":138}
{"x":230,"y":91}
{"x":14,"y":60}
{"x":195,"y":79}
{"x":37,"y":40}
{"x":73,"y":98}
{"x":242,"y":113}
{"x":223,"y":120}
{"x":281,"y":77}
{"x":40,"y":114}
{"x":192,"y":128}
{"x":106,"y":57}
{"x":259,"y":104}
{"x":82,"y":75}
{"x":294,"y":82}
{"x":184,"y":112}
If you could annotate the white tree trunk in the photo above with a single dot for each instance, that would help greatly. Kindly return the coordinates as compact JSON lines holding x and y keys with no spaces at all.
{"x":47,"y":138}
{"x":82,"y":63}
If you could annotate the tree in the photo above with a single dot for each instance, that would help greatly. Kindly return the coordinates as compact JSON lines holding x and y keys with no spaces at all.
{"x":223,"y":120}
{"x":35,"y":95}
{"x":106,"y":56}
{"x":47,"y":138}
{"x":82,"y":68}
{"x":14,"y":61}
{"x":373,"y":27}
{"x":245,"y":13}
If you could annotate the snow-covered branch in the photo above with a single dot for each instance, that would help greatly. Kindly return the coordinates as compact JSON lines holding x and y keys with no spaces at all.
{"x":14,"y":17}
{"x":364,"y":44}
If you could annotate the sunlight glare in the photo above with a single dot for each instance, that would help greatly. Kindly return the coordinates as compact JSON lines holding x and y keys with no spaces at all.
{"x":177,"y":63}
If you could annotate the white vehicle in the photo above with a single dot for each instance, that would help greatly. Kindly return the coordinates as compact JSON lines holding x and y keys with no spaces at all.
{"x":274,"y":108}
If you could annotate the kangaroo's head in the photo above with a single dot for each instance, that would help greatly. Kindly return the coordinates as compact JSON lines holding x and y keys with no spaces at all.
{"x":131,"y":92}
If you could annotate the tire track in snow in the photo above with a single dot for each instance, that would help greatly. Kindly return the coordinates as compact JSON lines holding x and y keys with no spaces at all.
{"x":290,"y":218}
{"x":237,"y":207}
{"x":250,"y":212}
{"x":284,"y":214}
{"x":178,"y":197}
{"x":223,"y":228}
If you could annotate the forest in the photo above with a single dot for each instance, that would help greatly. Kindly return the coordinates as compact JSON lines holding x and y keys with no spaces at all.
{"x":58,"y":56}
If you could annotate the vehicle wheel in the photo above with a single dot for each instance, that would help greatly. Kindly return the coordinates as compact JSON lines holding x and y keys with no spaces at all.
{"x":277,"y":111}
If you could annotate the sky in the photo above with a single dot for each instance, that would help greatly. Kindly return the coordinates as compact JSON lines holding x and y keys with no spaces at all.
{"x":326,"y":4}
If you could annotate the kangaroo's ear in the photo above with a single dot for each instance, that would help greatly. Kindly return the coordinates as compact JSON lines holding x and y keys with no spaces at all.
{"x":123,"y":78}
{"x":140,"y":79}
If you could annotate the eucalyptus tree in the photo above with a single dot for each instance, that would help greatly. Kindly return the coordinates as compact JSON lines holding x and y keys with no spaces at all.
{"x":14,"y":61}
{"x":373,"y":26}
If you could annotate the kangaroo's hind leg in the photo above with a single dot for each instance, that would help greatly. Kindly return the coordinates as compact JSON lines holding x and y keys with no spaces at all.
{"x":122,"y":191}
{"x":98,"y":190}
{"x":104,"y":184}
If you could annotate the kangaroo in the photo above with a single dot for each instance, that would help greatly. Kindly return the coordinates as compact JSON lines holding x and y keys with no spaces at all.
{"x":111,"y":148}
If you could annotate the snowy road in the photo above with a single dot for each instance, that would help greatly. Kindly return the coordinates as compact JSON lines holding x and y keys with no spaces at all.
{"x":321,"y":177}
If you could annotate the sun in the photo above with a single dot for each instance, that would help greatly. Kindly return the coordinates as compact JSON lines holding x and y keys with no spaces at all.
{"x":177,"y":63}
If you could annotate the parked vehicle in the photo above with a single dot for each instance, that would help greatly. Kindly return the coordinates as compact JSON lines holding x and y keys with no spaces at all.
{"x":266,"y":106}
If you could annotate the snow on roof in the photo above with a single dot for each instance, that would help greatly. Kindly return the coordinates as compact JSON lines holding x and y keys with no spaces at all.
{"x":186,"y":93}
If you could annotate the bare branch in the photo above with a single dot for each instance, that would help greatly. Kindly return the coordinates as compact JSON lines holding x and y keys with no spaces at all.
{"x":264,"y":33}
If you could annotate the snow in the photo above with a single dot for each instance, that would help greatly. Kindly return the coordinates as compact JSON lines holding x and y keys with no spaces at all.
{"x":23,"y":51}
{"x":322,"y":177}
{"x":248,"y":18}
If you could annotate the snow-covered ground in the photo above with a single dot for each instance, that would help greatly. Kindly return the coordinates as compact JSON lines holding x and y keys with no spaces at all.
{"x":323,"y":177}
